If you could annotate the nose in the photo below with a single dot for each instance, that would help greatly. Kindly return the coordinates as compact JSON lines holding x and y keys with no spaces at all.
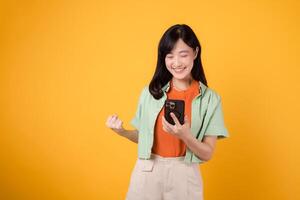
{"x":176,"y":63}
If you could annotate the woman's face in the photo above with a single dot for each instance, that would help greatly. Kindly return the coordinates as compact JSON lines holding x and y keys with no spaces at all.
{"x":180,"y":60}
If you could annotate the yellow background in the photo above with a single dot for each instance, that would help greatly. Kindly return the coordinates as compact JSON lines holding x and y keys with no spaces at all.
{"x":67,"y":65}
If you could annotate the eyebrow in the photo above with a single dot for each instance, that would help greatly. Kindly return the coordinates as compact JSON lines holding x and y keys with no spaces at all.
{"x":182,"y":51}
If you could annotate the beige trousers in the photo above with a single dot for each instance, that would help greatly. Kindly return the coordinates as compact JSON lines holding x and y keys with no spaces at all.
{"x":162,"y":178}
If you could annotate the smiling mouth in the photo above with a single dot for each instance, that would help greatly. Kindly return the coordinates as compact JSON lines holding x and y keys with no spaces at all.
{"x":179,"y":69}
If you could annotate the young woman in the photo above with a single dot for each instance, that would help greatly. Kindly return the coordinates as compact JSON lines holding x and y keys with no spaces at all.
{"x":169,"y":155}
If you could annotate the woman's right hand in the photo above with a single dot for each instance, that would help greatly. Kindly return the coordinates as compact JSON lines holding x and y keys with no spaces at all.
{"x":115,"y":124}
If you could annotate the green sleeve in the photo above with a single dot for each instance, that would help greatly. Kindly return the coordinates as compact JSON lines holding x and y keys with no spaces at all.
{"x":136,"y":120}
{"x":216,"y":126}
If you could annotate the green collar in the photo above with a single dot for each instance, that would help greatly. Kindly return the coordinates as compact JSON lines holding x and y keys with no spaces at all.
{"x":202,"y":87}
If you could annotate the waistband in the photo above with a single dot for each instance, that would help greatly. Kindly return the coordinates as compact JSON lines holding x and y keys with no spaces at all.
{"x":166,"y":159}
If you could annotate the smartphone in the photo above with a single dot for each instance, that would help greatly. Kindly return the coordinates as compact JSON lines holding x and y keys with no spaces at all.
{"x":175,"y":106}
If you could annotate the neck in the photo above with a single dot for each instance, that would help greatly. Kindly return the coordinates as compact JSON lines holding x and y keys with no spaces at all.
{"x":182,"y":84}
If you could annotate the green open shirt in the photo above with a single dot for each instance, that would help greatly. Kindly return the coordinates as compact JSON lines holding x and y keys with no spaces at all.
{"x":207,"y":119}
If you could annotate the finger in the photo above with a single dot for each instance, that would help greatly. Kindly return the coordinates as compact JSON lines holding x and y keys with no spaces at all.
{"x":166,"y":130}
{"x":115,"y":126}
{"x":168,"y":126}
{"x":107,"y":120}
{"x":114,"y":116}
{"x":118,"y":123}
{"x":111,"y":125}
{"x":110,"y":121}
{"x":113,"y":119}
{"x":175,"y":119}
{"x":164,"y":121}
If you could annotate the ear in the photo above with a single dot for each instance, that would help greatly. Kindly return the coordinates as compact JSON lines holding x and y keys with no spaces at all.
{"x":196,"y":52}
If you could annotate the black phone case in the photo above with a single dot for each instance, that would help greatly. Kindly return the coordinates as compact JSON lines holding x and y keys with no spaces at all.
{"x":175,"y":106}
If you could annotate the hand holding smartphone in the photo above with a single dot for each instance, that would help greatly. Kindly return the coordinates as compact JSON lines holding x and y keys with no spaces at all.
{"x":175,"y":106}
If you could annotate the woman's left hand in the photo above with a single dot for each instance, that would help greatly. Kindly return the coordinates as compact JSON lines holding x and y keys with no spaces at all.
{"x":181,"y":131}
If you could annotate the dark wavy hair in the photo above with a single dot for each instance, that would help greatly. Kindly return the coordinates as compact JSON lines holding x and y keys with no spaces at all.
{"x":161,"y":75}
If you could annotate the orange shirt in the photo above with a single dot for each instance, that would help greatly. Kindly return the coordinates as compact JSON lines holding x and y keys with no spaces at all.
{"x":165,"y":144}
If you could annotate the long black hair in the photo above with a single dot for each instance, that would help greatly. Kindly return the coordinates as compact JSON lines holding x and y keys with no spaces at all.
{"x":161,"y":75}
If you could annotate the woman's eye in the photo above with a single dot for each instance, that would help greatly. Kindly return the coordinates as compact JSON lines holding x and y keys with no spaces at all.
{"x":184,"y":55}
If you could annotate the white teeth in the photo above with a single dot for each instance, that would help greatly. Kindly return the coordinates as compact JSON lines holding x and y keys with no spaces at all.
{"x":178,"y":69}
